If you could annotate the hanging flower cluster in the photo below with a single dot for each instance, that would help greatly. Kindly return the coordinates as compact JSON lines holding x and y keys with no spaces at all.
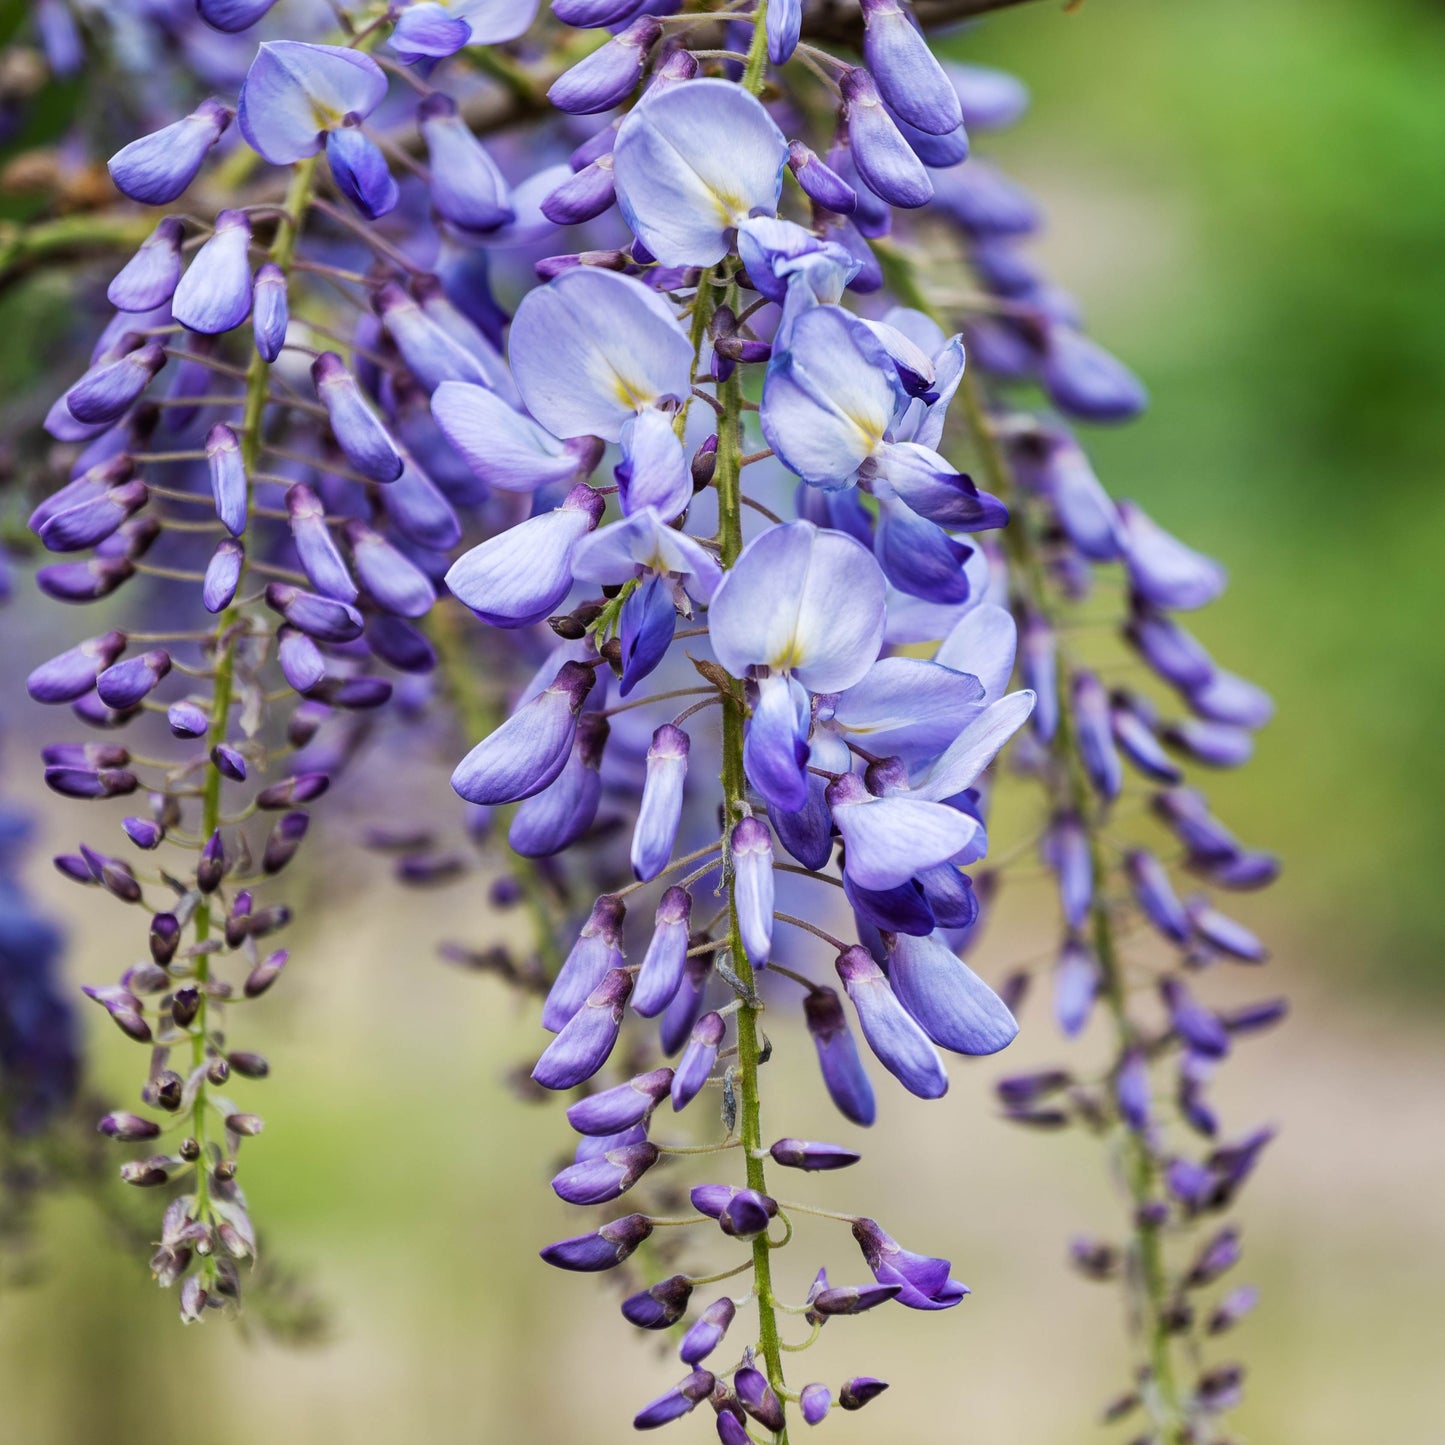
{"x":746,"y":635}
{"x":1091,"y":747}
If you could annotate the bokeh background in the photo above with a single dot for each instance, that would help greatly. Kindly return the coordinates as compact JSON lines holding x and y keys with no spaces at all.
{"x":1250,"y":201}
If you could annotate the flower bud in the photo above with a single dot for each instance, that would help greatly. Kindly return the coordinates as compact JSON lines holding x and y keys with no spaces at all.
{"x":360,"y":172}
{"x":155,"y":169}
{"x":148,"y":279}
{"x":358,"y":433}
{"x":72,"y":674}
{"x":659,"y":1306}
{"x":613,"y":1110}
{"x":223,"y":575}
{"x":697,"y":1060}
{"x":215,"y":293}
{"x":707,"y":1331}
{"x":601,"y":1249}
{"x":807,"y":1154}
{"x":609,"y":74}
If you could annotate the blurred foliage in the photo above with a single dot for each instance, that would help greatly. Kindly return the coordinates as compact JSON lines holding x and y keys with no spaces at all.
{"x":1249,"y":199}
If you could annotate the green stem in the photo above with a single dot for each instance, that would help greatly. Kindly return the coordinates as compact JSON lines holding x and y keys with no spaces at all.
{"x":258,"y":377}
{"x":1071,"y":790}
{"x":730,"y":536}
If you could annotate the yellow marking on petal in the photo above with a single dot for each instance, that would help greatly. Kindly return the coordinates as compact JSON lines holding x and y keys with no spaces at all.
{"x":787,"y":657}
{"x":867,"y":427}
{"x":631,"y":394}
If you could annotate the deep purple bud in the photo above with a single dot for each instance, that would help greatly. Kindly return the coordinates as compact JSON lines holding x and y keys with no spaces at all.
{"x":75,"y":868}
{"x":143,"y":832}
{"x":271,"y":313}
{"x":149,"y":278}
{"x":822,"y":185}
{"x":858,"y":1391}
{"x":808,"y":1154}
{"x":707,"y":1331}
{"x":394,"y":581}
{"x":107,"y":390}
{"x":88,"y":783}
{"x":223,"y":575}
{"x":596,"y":1180}
{"x":609,"y":74}
{"x":320,"y":617}
{"x":814,"y":1402}
{"x":1156,"y":896}
{"x":582,"y":196}
{"x":211,"y":866}
{"x":752,"y":853}
{"x":358,"y":433}
{"x":125,"y":683}
{"x":293,"y":791}
{"x":602,"y":1248}
{"x":284,"y":840}
{"x":72,"y":674}
{"x":853,"y":1299}
{"x":124,"y":1007}
{"x":587,"y":1038}
{"x":155,"y":169}
{"x":758,"y":1398}
{"x":697,"y":1060}
{"x":661,"y":973}
{"x":128,"y":1128}
{"x":360,"y":172}
{"x":660,"y":1306}
{"x":619,"y":1108}
{"x":84,"y":581}
{"x":884,"y":159}
{"x":215,"y":293}
{"x":910,"y":78}
{"x":229,"y":762}
{"x":165,"y":937}
{"x":228,"y":477}
{"x":842,"y":1069}
{"x":677,"y":1402}
{"x":265,"y":973}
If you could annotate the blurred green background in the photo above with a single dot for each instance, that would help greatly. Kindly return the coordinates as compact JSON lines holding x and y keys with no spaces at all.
{"x":1250,"y":201}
